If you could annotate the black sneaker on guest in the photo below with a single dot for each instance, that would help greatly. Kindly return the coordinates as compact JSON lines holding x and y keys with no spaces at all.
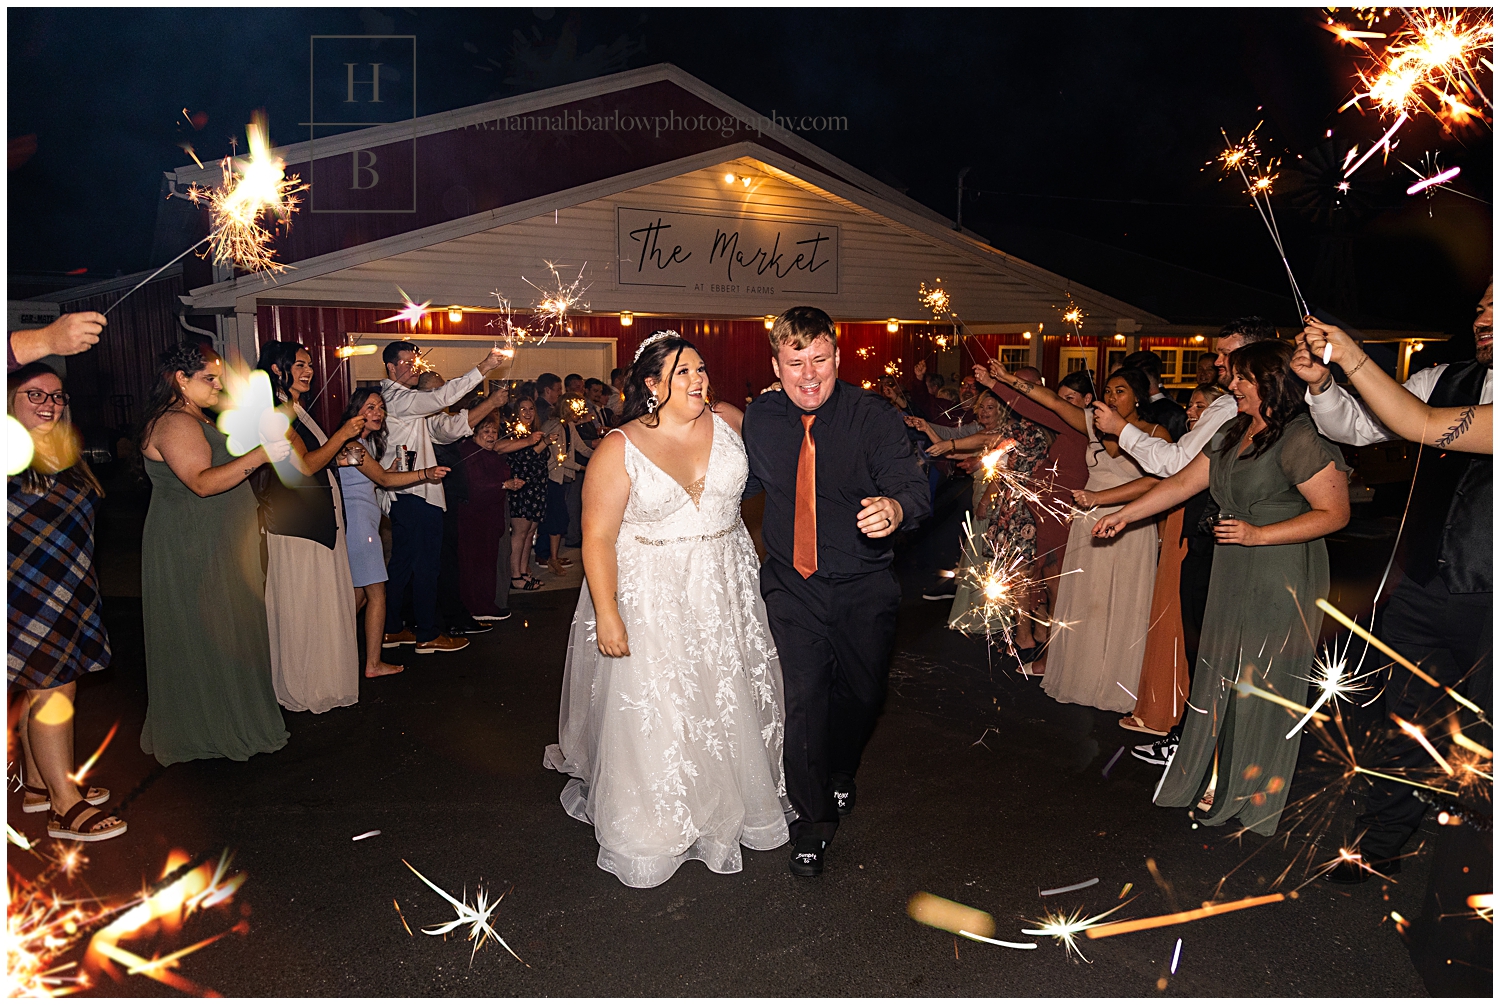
{"x":1156,"y":752}
{"x":943,"y":589}
{"x":469,"y":627}
{"x":807,"y":856}
{"x":843,"y":795}
{"x":1350,"y":872}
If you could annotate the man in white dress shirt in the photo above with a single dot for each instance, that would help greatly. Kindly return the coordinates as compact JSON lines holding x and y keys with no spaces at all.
{"x":1439,"y":615}
{"x":1157,"y":456}
{"x":416,"y":512}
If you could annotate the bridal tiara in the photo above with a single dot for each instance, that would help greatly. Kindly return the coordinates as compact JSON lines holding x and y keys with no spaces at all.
{"x":653,"y":337}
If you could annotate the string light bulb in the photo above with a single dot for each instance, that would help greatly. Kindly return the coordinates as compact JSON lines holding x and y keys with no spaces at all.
{"x":1026,"y":336}
{"x":626,"y":319}
{"x":892,"y":326}
{"x":455,"y":314}
{"x":729,"y":179}
{"x":770,"y":321}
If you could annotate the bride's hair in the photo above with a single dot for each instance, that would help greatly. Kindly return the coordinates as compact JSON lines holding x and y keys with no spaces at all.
{"x":655,"y":351}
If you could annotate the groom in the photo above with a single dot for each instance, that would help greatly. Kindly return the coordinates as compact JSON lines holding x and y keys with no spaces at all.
{"x":840,"y":478}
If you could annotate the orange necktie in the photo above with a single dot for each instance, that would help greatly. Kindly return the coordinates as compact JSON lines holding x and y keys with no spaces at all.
{"x":805,"y":520}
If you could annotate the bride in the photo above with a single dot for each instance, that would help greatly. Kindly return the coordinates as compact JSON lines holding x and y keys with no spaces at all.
{"x":672,"y":714}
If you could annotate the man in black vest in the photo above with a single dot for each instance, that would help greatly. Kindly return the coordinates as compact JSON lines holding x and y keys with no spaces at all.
{"x":1439,"y":615}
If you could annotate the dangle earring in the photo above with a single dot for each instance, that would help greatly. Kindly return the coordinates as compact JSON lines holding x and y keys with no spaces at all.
{"x":651,"y":404}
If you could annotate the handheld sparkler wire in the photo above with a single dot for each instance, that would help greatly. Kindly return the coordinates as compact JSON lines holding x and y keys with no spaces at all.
{"x":159,"y":271}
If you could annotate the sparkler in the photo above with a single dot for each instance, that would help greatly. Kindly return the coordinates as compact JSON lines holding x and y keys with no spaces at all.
{"x":1066,"y":928}
{"x":1181,"y":917}
{"x":411,"y":311}
{"x":1333,"y":680}
{"x":476,"y":917}
{"x":1431,"y":65}
{"x":252,"y":189}
{"x":1415,"y":732}
{"x":43,"y":926}
{"x":1244,"y":158}
{"x":559,"y":301}
{"x":1433,"y":181}
{"x":78,"y":776}
{"x":1245,"y":688}
{"x":510,"y":333}
{"x":1348,"y":623}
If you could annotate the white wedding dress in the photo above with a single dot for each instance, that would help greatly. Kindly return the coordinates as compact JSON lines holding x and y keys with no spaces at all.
{"x":675,"y":750}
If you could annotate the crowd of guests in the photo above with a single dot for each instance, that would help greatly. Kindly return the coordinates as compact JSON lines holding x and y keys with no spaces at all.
{"x":1184,"y":586}
{"x":256,"y":565}
{"x":1173,"y":555}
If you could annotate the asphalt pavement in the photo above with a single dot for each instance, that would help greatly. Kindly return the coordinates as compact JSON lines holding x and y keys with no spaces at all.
{"x":976,"y":787}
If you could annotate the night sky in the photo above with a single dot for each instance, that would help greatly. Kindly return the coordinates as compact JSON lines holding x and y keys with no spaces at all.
{"x":1075,"y":124}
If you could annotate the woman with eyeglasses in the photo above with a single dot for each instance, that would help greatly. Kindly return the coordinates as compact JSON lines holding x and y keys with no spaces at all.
{"x":56,"y":635}
{"x":208,"y":655}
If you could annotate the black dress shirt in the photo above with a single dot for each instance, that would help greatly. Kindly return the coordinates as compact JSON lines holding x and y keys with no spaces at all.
{"x":863,"y":451}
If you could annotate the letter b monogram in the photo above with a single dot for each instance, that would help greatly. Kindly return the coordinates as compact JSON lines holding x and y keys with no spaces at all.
{"x":361,"y":168}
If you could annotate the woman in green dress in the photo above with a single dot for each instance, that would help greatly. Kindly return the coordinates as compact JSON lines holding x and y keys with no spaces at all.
{"x":208,"y":657}
{"x":1281,"y":488}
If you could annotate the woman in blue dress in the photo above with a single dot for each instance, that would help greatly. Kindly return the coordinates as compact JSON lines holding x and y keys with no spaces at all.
{"x":360,"y":472}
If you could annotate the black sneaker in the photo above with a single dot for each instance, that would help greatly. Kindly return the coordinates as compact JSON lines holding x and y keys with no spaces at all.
{"x":807,"y":857}
{"x":493,"y":617}
{"x":1349,"y":873}
{"x":843,"y":796}
{"x":1156,"y":752}
{"x":469,"y":627}
{"x":944,"y":589}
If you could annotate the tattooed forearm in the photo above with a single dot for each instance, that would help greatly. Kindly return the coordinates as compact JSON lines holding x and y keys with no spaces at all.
{"x":1459,"y":428}
{"x":1024,"y":386}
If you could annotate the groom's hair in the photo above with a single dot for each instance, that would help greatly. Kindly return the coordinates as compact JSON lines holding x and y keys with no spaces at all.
{"x":800,"y":327}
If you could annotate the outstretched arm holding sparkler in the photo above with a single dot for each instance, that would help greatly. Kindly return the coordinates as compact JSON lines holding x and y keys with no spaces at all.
{"x":1162,"y":496}
{"x":1129,"y":492}
{"x":69,"y":335}
{"x":1327,"y":492}
{"x":1467,"y":428}
{"x":179,"y":439}
{"x":1044,"y":396}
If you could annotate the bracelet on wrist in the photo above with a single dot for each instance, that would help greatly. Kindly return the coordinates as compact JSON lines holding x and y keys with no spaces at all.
{"x":1350,"y":373}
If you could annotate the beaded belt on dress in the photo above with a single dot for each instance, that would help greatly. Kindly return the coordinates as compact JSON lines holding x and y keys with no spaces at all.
{"x":657,"y":542}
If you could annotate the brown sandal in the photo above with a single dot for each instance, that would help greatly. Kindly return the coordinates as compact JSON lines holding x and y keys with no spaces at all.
{"x":94,"y":797}
{"x":79,"y":823}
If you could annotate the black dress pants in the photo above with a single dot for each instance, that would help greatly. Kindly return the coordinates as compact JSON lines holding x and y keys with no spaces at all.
{"x":1192,"y":591}
{"x":834,"y":639}
{"x":1448,"y":636}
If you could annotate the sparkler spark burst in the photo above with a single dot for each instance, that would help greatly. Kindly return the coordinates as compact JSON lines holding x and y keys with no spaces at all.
{"x":935,"y":299}
{"x":476,"y":917}
{"x":1066,"y":928}
{"x":556,"y":303}
{"x":411,"y":311}
{"x":1430,"y":65}
{"x":252,"y":189}
{"x":43,"y":925}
